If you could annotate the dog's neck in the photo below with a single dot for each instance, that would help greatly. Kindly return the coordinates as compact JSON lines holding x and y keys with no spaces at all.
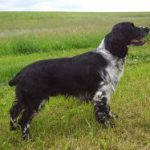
{"x":101,"y":49}
{"x":108,"y":55}
{"x":113,"y":48}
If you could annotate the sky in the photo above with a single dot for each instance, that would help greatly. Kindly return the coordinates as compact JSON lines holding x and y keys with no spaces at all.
{"x":76,"y":5}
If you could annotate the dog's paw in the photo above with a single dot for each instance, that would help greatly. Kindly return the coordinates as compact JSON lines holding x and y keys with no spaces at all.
{"x":13,"y":127}
{"x":108,"y":123}
{"x":113,"y":115}
{"x":107,"y":120}
{"x":26,"y":136}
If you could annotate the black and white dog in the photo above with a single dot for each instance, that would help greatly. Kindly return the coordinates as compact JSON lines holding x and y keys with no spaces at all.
{"x":91,"y":76}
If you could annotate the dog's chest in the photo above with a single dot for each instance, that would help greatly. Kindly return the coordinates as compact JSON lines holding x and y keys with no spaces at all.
{"x":114,"y":70}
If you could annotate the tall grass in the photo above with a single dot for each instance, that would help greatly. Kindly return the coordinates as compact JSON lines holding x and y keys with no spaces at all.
{"x":30,"y":44}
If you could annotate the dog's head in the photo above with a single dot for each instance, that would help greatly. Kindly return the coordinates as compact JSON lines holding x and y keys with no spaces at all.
{"x":122,"y":35}
{"x":130,"y":34}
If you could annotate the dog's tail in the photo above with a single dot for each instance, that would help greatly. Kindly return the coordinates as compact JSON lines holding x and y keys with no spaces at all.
{"x":14,"y":80}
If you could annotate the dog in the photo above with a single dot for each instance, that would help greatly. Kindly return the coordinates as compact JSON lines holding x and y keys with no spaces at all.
{"x":92,"y":76}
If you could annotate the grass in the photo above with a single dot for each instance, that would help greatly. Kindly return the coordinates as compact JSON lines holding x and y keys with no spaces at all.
{"x":67,"y":123}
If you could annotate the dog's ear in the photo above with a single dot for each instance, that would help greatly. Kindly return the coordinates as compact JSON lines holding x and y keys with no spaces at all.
{"x":116,"y":45}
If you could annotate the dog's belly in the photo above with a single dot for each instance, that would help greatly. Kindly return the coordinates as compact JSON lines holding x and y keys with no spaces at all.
{"x":84,"y":90}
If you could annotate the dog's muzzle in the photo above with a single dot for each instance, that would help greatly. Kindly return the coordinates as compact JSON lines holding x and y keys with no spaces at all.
{"x":141,"y":41}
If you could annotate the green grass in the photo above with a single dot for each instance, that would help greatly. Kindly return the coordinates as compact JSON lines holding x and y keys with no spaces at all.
{"x":67,"y":123}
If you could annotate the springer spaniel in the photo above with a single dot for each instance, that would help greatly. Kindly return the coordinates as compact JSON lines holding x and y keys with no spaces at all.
{"x":91,"y":76}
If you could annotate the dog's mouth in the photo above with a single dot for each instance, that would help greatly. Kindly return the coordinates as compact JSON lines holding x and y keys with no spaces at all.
{"x":138,"y":42}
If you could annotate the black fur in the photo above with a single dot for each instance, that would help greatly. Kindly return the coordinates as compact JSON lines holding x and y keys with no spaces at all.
{"x":77,"y":76}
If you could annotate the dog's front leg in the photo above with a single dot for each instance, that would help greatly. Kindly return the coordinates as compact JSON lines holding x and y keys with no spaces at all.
{"x":101,"y":108}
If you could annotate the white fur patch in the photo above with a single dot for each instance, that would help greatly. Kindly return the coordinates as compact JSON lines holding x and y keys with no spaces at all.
{"x":14,"y":121}
{"x":26,"y":128}
{"x":98,"y":95}
{"x":111,"y":74}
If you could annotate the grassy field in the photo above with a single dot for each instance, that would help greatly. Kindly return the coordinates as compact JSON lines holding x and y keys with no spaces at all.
{"x":66,"y":123}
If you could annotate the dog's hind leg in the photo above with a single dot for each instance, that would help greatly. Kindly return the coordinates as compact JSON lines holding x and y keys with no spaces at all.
{"x":15,"y":111}
{"x":25,"y":121}
{"x":27,"y":116}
